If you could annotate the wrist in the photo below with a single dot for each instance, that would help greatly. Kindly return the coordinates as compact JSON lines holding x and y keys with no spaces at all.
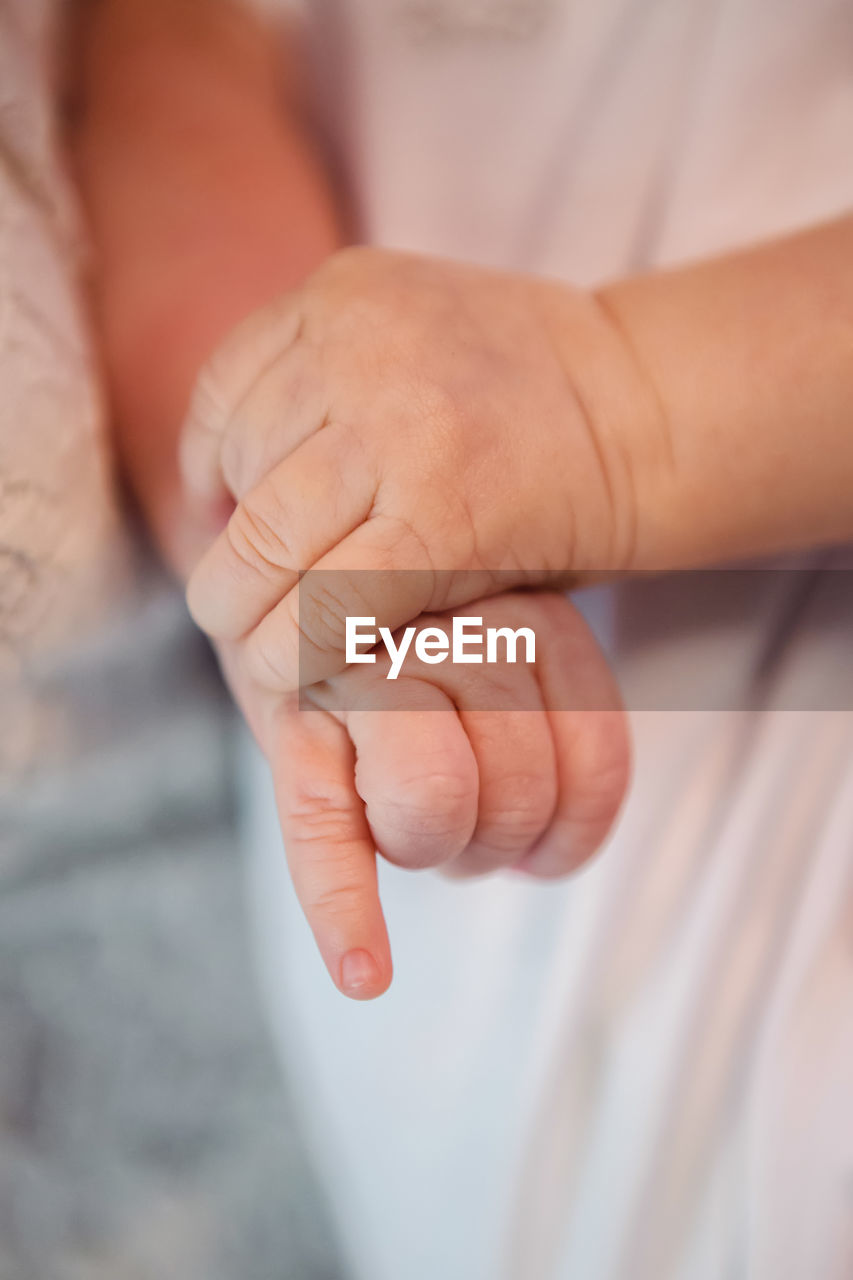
{"x":747,"y":357}
{"x":614,"y":394}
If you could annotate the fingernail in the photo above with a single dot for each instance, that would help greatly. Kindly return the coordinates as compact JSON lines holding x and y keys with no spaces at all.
{"x":359,"y":974}
{"x":520,"y":869}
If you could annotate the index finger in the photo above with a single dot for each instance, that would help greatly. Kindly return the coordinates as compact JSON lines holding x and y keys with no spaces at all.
{"x":330,"y":851}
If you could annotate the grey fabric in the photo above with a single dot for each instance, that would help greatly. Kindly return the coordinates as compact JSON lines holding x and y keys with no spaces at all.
{"x":144,"y":1127}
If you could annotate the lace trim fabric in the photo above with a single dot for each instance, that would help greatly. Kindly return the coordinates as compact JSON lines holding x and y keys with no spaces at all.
{"x":63,"y":554}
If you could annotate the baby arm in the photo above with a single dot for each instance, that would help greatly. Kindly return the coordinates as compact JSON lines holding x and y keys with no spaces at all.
{"x":497,"y":422}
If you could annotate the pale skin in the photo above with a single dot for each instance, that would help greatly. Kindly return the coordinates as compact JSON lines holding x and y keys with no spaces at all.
{"x":471,"y":421}
{"x":384,"y":411}
{"x":471,"y":769}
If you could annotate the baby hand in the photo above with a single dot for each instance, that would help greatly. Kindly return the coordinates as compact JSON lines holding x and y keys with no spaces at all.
{"x":471,"y":768}
{"x":406,"y":413}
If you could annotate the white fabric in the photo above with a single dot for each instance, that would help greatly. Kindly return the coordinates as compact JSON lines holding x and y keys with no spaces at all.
{"x":645,"y":1073}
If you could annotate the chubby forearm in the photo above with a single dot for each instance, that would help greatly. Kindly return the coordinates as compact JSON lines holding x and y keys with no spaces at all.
{"x":206,"y":197}
{"x":748,"y":365}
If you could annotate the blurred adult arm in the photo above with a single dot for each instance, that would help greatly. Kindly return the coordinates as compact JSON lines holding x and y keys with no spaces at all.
{"x":206,"y":197}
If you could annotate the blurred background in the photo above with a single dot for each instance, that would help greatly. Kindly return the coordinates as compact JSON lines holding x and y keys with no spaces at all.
{"x":145,"y":1130}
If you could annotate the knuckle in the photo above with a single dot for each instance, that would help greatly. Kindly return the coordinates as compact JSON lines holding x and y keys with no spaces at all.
{"x":339,"y":274}
{"x":358,"y":296}
{"x":233,"y":457}
{"x":209,"y":404}
{"x":269,"y":660}
{"x":396,"y":540}
{"x":200,"y":441}
{"x":522,"y":814}
{"x":322,"y":611}
{"x":256,"y":535}
{"x":321,"y":831}
{"x":431,"y":803}
{"x":321,"y":816}
{"x":597,"y":786}
{"x":219,"y":382}
{"x":350,"y":259}
{"x":429,"y":819}
{"x":604,"y":794}
{"x":601,"y":785}
{"x":335,"y":900}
